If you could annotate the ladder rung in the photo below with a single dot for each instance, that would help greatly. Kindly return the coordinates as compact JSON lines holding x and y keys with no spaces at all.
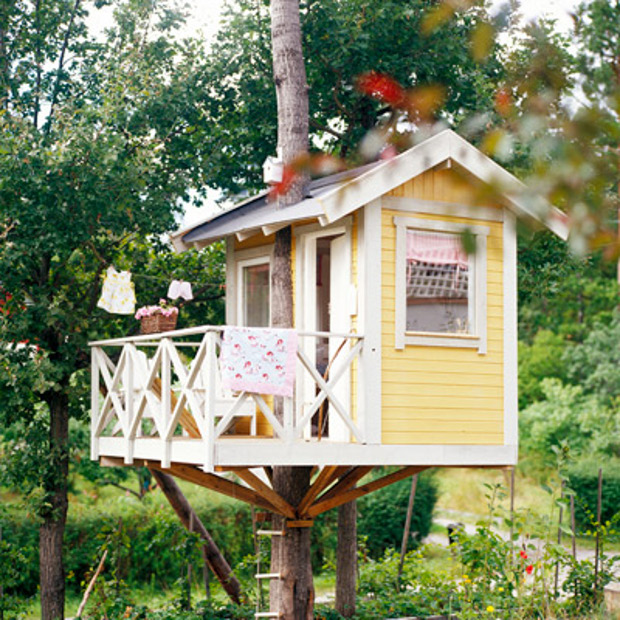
{"x":268,"y":614}
{"x":271,"y":533}
{"x":268,"y":576}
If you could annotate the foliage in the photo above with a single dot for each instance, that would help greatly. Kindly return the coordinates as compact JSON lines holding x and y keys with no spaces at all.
{"x":595,"y":364}
{"x":158,"y":551}
{"x":582,"y":479}
{"x":567,"y":416}
{"x":537,"y":361}
{"x":559,"y":292}
{"x":341,"y":40}
{"x":381,"y":518}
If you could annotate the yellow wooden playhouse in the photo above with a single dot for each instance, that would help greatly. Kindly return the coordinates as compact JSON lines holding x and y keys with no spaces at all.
{"x":405,"y":295}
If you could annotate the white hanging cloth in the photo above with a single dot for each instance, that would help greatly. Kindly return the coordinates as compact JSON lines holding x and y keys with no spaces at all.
{"x":117,"y":294}
{"x":179,"y":288}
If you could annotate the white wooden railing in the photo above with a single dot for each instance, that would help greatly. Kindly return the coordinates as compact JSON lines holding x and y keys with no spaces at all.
{"x":166,"y":387}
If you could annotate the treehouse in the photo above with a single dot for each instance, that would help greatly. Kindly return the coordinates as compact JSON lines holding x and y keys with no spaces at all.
{"x":404,"y":351}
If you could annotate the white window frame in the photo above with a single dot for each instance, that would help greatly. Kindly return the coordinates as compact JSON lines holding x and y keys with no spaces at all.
{"x":477,"y":294}
{"x":245,"y":259}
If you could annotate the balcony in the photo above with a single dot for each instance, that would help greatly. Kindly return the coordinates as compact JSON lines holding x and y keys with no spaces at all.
{"x":158,"y":398}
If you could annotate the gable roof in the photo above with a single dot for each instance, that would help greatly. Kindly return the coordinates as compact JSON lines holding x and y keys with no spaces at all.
{"x":332,"y":198}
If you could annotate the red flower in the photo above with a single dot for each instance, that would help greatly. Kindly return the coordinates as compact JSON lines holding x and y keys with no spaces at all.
{"x":529,"y":569}
{"x":503,"y":101}
{"x":523,"y":555}
{"x":382,"y":87}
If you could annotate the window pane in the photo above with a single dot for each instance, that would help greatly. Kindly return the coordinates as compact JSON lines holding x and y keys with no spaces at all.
{"x":256,"y":295}
{"x":437,"y":284}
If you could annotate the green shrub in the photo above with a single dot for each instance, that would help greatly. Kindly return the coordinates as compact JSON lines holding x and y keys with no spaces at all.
{"x":582,"y":479}
{"x":153,"y":532}
{"x":382,"y":514}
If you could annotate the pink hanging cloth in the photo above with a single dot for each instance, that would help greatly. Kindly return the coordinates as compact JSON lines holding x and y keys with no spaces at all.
{"x":259,"y":360}
{"x":440,"y":249}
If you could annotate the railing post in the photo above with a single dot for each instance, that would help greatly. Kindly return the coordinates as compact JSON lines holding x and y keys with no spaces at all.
{"x":166,"y":387}
{"x":210,"y":387}
{"x":129,"y":403}
{"x":94,"y":404}
{"x":287,"y":421}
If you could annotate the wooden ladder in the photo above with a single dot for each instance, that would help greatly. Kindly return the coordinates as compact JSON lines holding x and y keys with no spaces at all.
{"x":260,"y":576}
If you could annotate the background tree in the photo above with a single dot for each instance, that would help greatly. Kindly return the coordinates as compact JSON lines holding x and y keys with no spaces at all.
{"x":341,"y":40}
{"x":94,"y":158}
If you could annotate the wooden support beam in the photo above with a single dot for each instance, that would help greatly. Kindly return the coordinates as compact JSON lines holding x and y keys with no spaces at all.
{"x":218,"y":564}
{"x":327,"y":504}
{"x":326,"y":476}
{"x":214,"y":483}
{"x":348,"y":481}
{"x":265,"y":491}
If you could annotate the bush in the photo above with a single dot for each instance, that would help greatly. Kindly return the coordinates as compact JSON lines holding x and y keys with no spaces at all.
{"x":382,"y":514}
{"x":151,"y":528}
{"x":582,"y":479}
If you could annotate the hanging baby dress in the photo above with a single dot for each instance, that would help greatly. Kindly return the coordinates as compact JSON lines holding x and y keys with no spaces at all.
{"x":117,"y":295}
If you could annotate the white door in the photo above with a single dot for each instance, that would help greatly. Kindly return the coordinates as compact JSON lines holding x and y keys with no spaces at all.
{"x":326,"y":283}
{"x":339,"y":322}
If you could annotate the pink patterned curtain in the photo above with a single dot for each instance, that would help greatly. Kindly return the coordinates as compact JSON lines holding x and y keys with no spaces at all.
{"x":435,"y":248}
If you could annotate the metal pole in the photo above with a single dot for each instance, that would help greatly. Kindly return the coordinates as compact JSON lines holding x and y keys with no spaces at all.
{"x":403,"y":547}
{"x":573,"y":526}
{"x":598,"y":525}
{"x":557,"y":564}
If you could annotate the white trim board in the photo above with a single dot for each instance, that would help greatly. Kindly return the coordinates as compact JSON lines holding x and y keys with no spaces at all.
{"x":436,"y":207}
{"x":511,"y":369}
{"x":232,"y":452}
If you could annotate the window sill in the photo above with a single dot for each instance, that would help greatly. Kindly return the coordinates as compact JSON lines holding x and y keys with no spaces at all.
{"x":432,"y":339}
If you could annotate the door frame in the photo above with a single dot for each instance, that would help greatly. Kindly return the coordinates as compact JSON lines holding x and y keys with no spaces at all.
{"x":305,"y":299}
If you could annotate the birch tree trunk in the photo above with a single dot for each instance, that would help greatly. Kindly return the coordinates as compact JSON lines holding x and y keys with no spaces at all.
{"x":293,"y":594}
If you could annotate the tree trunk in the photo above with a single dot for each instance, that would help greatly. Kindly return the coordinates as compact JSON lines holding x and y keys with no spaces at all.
{"x":346,"y":560}
{"x":51,"y":531}
{"x":217,"y":562}
{"x":293,"y":594}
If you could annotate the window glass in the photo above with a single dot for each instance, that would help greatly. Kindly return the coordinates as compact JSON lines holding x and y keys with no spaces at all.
{"x":255,"y":303}
{"x":438,"y":284}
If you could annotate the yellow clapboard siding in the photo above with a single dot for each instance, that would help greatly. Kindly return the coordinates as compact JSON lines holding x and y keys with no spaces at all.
{"x":442,"y":414}
{"x":447,"y":438}
{"x":443,"y":354}
{"x":415,"y":390}
{"x":440,"y":402}
{"x":411,"y":377}
{"x":442,"y":395}
{"x":428,"y":368}
{"x":437,"y":426}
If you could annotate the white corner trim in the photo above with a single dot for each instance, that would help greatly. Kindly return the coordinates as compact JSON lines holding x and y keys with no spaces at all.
{"x":511,"y":369}
{"x":231,"y":283}
{"x":477,"y":297}
{"x":369,"y":272}
{"x":436,"y":207}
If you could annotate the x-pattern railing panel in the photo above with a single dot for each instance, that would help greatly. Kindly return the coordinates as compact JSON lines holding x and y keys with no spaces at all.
{"x":166,"y":387}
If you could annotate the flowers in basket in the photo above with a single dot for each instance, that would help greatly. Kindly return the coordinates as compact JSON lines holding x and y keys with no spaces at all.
{"x":160,"y":318}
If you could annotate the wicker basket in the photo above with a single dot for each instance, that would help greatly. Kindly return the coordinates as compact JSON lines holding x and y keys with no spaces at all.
{"x":157,"y":323}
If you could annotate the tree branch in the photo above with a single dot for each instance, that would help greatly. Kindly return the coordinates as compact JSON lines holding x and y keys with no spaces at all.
{"x":61,"y":62}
